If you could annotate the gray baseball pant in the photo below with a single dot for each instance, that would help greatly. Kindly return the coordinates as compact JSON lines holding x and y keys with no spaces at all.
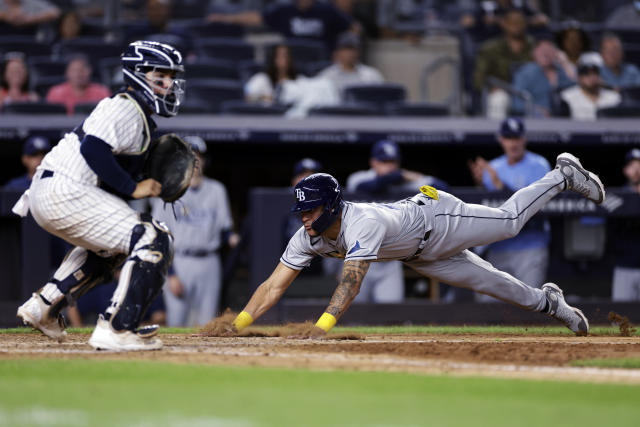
{"x":457,"y":226}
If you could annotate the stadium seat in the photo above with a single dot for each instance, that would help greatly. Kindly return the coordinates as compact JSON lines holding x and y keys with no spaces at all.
{"x":224,"y":48}
{"x":630,"y":94}
{"x":304,"y":51}
{"x":210,"y":93}
{"x":93,"y":47}
{"x":43,"y":84}
{"x":625,"y":110}
{"x":422,"y":109}
{"x":212,"y":69}
{"x":347,"y":109}
{"x":45,"y":66}
{"x":25,"y":44}
{"x":378,"y":95}
{"x":39,"y":107}
{"x":85,"y":108}
{"x":239,"y":107}
{"x":199,"y":29}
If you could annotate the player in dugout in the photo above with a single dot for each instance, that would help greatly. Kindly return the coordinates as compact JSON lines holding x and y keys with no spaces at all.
{"x":430,"y":232}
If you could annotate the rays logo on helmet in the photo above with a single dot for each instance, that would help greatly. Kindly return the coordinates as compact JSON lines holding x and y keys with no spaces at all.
{"x":300,"y":195}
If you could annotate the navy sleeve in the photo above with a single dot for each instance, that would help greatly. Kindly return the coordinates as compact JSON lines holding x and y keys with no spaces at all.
{"x":380,"y":183}
{"x":101,"y":160}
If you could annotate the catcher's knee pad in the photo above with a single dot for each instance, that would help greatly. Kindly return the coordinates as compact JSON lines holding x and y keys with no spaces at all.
{"x":80,"y":271}
{"x":142,"y":275}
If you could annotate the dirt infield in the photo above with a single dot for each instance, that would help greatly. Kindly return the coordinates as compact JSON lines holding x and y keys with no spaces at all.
{"x":544,"y":357}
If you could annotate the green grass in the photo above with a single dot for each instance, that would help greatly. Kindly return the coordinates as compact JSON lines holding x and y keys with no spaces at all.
{"x":501,"y":330}
{"x":120,"y":393}
{"x":627,"y":363}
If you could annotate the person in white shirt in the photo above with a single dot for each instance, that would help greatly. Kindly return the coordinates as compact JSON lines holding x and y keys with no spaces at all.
{"x":585,"y":98}
{"x":347,"y":68}
{"x":262,"y":87}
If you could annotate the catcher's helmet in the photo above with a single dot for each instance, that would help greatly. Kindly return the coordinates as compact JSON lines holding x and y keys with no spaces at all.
{"x":141,"y":57}
{"x":315,"y":190}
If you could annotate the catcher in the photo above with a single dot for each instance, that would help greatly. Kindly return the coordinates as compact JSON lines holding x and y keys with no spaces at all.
{"x":78,"y":195}
{"x":430,"y":232}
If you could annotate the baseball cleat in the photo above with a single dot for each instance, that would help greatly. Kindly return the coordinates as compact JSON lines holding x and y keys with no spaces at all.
{"x":579,"y":179}
{"x":35,"y":313}
{"x":104,"y":337}
{"x":572,"y":317}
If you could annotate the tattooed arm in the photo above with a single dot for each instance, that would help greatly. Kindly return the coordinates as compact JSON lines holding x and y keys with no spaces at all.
{"x":352,"y":274}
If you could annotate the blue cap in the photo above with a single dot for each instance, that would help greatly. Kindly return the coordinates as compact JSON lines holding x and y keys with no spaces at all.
{"x":36,"y":144}
{"x":512,"y":127}
{"x":632,"y":155}
{"x":386,"y":151}
{"x":197,"y":144}
{"x":307,"y":165}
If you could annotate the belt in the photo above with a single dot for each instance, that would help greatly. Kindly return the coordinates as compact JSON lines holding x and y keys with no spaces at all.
{"x":421,"y":246}
{"x":46,"y":174}
{"x":418,"y":199}
{"x":197,"y":253}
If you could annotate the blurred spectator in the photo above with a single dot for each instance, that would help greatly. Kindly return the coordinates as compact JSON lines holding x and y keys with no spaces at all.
{"x":33,"y":151}
{"x":626,"y":273}
{"x":426,"y":13}
{"x":231,"y":6}
{"x":308,"y":19}
{"x":384,"y":282}
{"x":625,"y":16}
{"x":363,"y":15}
{"x":70,"y":26}
{"x":347,"y":68}
{"x":573,"y":41}
{"x":490,"y":14}
{"x":616,"y":73}
{"x":201,"y":227}
{"x":498,"y":57}
{"x":385,"y":176}
{"x":14,"y":80}
{"x":264,"y":86}
{"x":516,"y":169}
{"x":78,"y":88}
{"x":540,"y":78}
{"x":27,"y":13}
{"x":585,"y":98}
{"x":156,"y":27}
{"x":98,"y":298}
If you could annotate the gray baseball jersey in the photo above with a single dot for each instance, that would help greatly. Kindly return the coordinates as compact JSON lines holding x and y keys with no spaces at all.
{"x":201,"y":216}
{"x":378,"y":232}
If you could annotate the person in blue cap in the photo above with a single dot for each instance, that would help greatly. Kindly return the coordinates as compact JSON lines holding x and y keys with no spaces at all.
{"x":384,"y":282}
{"x":514,"y":170}
{"x":33,"y":151}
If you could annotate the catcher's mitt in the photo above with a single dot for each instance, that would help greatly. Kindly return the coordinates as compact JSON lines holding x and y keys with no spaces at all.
{"x":171,"y":161}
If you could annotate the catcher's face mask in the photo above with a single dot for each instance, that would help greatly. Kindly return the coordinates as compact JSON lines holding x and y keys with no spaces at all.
{"x":168,"y":89}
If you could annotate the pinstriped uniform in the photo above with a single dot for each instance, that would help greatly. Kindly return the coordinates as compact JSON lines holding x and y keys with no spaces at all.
{"x":69,"y":204}
{"x":379,"y":232}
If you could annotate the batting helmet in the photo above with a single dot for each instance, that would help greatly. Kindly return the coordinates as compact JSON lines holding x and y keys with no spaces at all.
{"x":141,"y":57}
{"x":316,"y":190}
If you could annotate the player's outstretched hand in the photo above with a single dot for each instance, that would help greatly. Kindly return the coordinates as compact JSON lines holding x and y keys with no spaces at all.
{"x":147,"y":188}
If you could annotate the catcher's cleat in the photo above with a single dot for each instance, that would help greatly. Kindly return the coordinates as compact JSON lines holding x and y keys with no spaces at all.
{"x":572,"y":317}
{"x":104,"y":337}
{"x":579,"y":179}
{"x":36,"y":313}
